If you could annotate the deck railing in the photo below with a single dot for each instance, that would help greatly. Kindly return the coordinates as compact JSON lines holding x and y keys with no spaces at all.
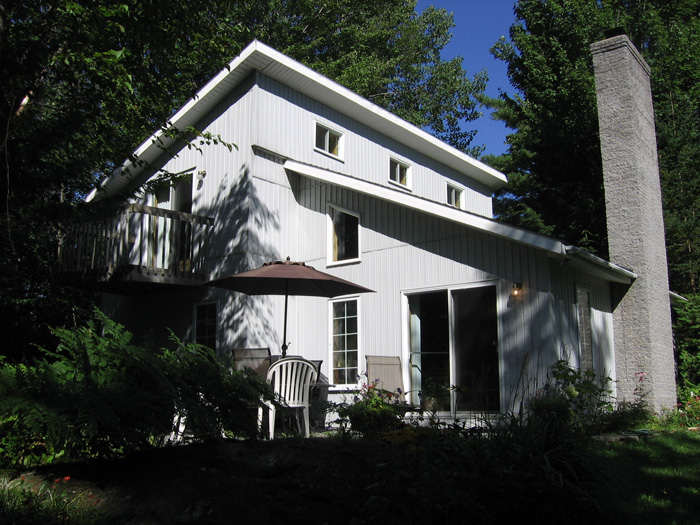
{"x":152,"y":241}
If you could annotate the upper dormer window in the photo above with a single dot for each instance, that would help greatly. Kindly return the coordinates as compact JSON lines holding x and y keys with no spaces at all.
{"x":328,"y":140}
{"x":454,"y":196}
{"x":399,"y":173}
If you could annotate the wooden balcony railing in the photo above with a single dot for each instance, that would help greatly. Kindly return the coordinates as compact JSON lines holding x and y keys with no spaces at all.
{"x":140,"y":243}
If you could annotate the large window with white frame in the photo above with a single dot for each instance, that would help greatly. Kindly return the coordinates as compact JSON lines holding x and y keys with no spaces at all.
{"x":328,"y":140}
{"x":399,"y":173}
{"x":345,"y":342}
{"x":343,"y":236}
{"x":205,"y":324}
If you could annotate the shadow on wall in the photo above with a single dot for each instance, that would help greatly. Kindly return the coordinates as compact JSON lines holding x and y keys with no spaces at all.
{"x":236,"y":245}
{"x":540,"y":322}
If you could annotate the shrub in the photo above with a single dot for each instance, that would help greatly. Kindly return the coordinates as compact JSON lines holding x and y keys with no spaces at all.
{"x":373,"y":411}
{"x":100,"y":395}
{"x":572,"y":398}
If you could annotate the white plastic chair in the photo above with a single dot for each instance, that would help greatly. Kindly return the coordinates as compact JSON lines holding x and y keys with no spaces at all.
{"x":291,"y":379}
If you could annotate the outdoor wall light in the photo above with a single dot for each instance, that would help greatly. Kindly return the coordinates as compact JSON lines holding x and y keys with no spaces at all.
{"x":201,"y":175}
{"x":517,"y":289}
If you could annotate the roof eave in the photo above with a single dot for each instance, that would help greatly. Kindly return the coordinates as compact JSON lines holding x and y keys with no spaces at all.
{"x":258,"y":56}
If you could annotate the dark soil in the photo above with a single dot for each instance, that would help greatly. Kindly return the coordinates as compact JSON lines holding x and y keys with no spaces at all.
{"x":311,"y":481}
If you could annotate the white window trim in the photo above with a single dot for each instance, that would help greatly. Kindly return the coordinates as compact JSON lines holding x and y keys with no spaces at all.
{"x":357,"y":384}
{"x":194,"y":321}
{"x":341,"y":140}
{"x":461,"y":196}
{"x":409,"y":174}
{"x":329,"y":238}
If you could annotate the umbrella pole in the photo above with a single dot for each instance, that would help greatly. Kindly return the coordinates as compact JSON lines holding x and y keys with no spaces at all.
{"x":284,"y":337}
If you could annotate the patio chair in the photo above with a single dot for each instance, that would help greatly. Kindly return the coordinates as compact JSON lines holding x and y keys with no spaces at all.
{"x":291,"y":379}
{"x":256,"y":358}
{"x":387,"y":369}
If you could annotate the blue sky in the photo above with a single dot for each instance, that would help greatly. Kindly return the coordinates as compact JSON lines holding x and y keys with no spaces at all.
{"x":478,"y":26}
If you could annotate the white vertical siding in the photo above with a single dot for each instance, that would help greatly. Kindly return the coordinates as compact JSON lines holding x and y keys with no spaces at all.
{"x":286,"y":126}
{"x":264,"y":212}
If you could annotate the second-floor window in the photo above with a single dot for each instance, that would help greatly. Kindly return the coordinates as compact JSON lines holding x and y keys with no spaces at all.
{"x":328,"y":140}
{"x":454,"y":196}
{"x":399,"y":173}
{"x":344,"y":235}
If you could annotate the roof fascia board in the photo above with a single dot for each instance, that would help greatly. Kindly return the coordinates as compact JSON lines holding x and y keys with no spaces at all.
{"x":433,"y":208}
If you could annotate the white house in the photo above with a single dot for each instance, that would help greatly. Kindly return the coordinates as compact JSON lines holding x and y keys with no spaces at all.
{"x":325,"y":177}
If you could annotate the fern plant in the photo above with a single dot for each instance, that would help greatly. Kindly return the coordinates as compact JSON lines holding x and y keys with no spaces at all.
{"x":100,"y":395}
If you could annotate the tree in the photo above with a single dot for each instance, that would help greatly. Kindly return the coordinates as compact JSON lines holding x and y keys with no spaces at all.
{"x":83,"y":82}
{"x":382,"y":50}
{"x":553,"y":160}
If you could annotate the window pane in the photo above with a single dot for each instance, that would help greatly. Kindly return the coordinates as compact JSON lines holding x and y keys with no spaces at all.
{"x":321,"y":134}
{"x":339,"y":377}
{"x":393,"y":170}
{"x":338,"y":310}
{"x":333,"y":143}
{"x":351,"y":308}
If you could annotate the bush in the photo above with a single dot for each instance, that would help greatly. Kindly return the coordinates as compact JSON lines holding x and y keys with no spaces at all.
{"x":100,"y":395}
{"x":373,"y":411}
{"x":508,"y":469}
{"x":573,"y":398}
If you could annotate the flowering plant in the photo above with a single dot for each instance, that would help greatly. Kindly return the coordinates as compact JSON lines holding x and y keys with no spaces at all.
{"x":689,"y":410}
{"x":373,"y":409}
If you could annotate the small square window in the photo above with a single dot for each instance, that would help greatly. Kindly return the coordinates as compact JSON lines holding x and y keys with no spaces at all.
{"x":328,"y":140}
{"x":344,"y":236}
{"x":399,"y":173}
{"x":454,"y":196}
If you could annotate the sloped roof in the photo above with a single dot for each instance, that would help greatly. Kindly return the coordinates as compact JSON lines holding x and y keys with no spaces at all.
{"x":260,"y":57}
{"x":577,"y":257}
{"x":263,"y":58}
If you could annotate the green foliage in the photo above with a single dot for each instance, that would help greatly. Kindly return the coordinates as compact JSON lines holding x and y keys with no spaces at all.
{"x":47,"y":504}
{"x":373,"y":411}
{"x":572,"y":398}
{"x":687,"y":413}
{"x":83,"y":83}
{"x":554,"y":154}
{"x":100,"y":395}
{"x":538,"y":468}
{"x":686,"y":330}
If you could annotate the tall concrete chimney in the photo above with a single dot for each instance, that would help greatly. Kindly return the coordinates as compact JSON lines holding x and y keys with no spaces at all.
{"x":642,"y":317}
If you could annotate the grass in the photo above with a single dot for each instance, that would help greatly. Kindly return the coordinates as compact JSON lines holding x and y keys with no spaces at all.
{"x":413,"y":474}
{"x":45,"y":504}
{"x":657,"y":480}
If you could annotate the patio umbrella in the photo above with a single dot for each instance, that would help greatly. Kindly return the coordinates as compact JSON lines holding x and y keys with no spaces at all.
{"x":287,"y":278}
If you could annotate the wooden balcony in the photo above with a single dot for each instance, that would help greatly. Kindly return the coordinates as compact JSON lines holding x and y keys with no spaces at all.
{"x":140,"y":250}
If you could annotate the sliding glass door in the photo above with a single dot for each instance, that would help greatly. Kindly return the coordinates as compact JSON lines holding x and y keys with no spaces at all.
{"x":454,"y":349}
